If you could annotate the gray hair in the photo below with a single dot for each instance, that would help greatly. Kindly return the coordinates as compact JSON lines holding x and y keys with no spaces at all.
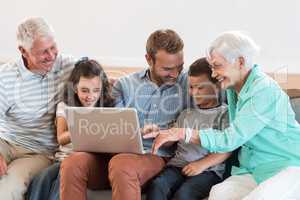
{"x":234,"y":44}
{"x":32,"y":28}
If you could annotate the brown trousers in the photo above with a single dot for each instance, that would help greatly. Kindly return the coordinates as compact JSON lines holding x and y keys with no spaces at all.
{"x":129,"y":172}
{"x":80,"y":171}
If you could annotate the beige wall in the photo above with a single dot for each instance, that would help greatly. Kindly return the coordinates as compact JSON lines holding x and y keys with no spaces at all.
{"x":286,"y":81}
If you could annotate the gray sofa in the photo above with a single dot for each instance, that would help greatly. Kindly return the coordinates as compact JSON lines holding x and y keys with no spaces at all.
{"x":293,"y":82}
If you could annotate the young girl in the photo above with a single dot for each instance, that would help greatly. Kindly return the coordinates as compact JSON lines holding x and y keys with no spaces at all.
{"x":88,"y":86}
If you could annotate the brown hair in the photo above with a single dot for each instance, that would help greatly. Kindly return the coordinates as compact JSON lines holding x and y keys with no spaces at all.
{"x":200,"y":67}
{"x":163,"y":39}
{"x":89,"y":69}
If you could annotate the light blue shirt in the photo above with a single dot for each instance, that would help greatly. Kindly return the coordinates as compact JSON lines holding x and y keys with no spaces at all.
{"x":156,"y":105}
{"x":28,"y":102}
{"x":263,"y":123}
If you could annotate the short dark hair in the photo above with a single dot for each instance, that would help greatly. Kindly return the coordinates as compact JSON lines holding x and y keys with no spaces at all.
{"x":89,"y":69}
{"x":200,"y":67}
{"x":163,"y":39}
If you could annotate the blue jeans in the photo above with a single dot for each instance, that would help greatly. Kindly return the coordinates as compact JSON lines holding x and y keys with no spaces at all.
{"x":172,"y":184}
{"x":45,"y":185}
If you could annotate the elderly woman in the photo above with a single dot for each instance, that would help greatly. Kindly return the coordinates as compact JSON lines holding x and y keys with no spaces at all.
{"x":262,"y":123}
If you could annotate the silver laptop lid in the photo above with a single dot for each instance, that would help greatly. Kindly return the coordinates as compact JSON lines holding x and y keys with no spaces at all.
{"x":109,"y":130}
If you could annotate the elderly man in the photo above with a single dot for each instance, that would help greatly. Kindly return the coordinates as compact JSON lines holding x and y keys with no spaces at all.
{"x":262,"y":122}
{"x":29,"y":91}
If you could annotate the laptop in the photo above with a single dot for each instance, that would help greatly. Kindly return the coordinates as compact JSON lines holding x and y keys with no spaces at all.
{"x":105,"y":130}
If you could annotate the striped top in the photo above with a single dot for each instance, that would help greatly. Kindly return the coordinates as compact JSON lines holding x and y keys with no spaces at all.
{"x":28,"y":103}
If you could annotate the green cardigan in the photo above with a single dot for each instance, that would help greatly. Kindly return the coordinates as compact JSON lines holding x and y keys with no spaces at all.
{"x":263,"y":123}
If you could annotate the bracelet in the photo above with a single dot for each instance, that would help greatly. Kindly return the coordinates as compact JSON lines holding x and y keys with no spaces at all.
{"x":188,"y":135}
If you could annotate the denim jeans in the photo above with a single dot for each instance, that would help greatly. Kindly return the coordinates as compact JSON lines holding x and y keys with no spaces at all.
{"x":45,"y":185}
{"x":172,"y":184}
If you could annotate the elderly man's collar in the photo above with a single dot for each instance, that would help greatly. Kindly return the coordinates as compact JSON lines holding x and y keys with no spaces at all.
{"x":27,"y":73}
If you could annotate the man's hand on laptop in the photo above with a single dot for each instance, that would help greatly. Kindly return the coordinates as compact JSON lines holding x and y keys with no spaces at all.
{"x":165,"y":137}
{"x":3,"y":166}
{"x":150,"y":128}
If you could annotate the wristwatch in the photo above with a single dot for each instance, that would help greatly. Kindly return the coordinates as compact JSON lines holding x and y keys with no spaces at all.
{"x":188,"y":135}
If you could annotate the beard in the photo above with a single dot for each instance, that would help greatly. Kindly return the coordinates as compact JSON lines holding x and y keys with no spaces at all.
{"x":161,"y":80}
{"x":168,"y":80}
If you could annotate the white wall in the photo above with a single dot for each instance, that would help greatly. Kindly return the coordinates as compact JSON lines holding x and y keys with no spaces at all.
{"x":116,"y":31}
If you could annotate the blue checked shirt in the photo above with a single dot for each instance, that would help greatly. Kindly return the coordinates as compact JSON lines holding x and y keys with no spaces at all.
{"x":156,"y":105}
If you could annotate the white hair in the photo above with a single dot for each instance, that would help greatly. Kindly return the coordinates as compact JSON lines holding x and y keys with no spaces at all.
{"x":32,"y":28}
{"x":234,"y":44}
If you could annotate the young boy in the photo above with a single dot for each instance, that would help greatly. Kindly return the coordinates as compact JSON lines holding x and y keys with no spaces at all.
{"x":192,"y":172}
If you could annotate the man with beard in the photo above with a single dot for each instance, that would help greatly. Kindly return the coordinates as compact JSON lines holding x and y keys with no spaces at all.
{"x":159,"y":93}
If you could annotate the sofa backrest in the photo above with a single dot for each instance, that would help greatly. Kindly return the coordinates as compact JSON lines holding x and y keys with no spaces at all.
{"x":295,"y":102}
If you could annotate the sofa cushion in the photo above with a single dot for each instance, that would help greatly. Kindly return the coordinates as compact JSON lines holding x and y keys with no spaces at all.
{"x":295,"y":102}
{"x":103,"y":195}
